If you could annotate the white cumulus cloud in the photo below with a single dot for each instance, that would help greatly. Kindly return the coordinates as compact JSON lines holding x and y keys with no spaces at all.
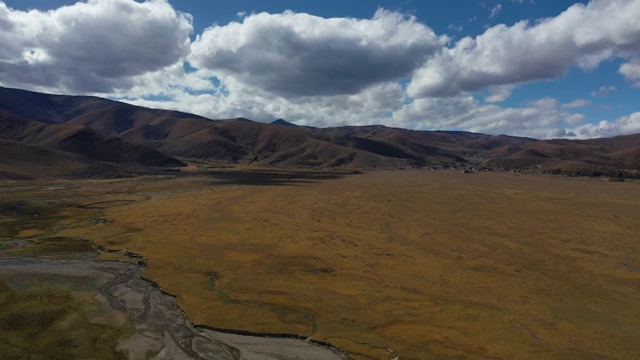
{"x":373,"y":105}
{"x":578,"y":103}
{"x":538,"y":118}
{"x":625,"y":125}
{"x":495,"y":11}
{"x":583,"y":36}
{"x":93,"y":46}
{"x":631,"y":71}
{"x":499,"y":93}
{"x":603,"y":91}
{"x":297,"y":54}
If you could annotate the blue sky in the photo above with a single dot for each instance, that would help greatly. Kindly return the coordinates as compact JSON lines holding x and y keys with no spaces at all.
{"x":538,"y":68}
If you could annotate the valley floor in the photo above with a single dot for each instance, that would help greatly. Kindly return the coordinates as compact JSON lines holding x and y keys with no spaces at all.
{"x":414,"y":264}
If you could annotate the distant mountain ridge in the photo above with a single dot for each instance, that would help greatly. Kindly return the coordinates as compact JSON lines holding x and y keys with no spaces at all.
{"x":283,"y":123}
{"x":107,"y":134}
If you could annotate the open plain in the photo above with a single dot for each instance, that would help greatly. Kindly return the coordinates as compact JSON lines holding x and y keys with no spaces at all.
{"x":408,"y":264}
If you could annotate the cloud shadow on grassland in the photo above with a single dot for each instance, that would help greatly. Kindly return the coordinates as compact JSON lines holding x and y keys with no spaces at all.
{"x":275,"y":177}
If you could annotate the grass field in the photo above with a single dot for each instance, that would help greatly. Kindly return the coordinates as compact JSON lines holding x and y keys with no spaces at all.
{"x":56,"y":324}
{"x":415,"y":264}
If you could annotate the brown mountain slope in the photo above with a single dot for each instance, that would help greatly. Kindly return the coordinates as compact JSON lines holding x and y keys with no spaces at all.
{"x":21,"y":161}
{"x":615,"y":143}
{"x":112,"y":131}
{"x":78,"y":139}
{"x":113,"y":118}
{"x":107,"y":115}
{"x":51,"y":109}
{"x":617,"y":155}
{"x":625,"y":159}
{"x":268,"y":144}
{"x":171,"y":132}
{"x":421,"y":147}
{"x":239,"y":140}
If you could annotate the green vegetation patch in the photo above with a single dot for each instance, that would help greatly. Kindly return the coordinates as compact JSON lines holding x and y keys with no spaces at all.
{"x":7,"y":244}
{"x":19,"y":215}
{"x":55,"y":247}
{"x":52,"y":323}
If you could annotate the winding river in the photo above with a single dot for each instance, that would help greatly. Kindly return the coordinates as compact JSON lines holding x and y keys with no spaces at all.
{"x":161,"y":328}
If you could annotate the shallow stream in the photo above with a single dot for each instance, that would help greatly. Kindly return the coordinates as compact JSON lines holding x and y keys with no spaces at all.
{"x":161,"y":330}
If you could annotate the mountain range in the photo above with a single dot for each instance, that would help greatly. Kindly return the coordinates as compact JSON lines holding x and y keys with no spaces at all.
{"x":43,"y":135}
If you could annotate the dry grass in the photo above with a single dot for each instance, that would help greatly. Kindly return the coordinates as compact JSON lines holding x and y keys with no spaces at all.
{"x":427,"y":264}
{"x":45,"y":320}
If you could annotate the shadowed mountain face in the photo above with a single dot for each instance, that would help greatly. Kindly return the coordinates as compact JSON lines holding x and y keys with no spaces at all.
{"x":283,"y":122}
{"x":114,"y":134}
{"x":82,"y":140}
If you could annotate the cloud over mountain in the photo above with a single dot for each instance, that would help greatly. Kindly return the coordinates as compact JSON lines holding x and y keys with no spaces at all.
{"x":390,"y":68}
{"x":628,"y":124}
{"x":536,"y":118}
{"x":297,"y":54}
{"x":90,"y":47}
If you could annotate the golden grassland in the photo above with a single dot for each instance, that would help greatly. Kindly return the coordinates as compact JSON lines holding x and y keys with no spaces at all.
{"x":415,"y":264}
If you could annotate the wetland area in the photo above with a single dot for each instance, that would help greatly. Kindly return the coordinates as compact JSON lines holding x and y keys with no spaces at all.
{"x":378,"y":265}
